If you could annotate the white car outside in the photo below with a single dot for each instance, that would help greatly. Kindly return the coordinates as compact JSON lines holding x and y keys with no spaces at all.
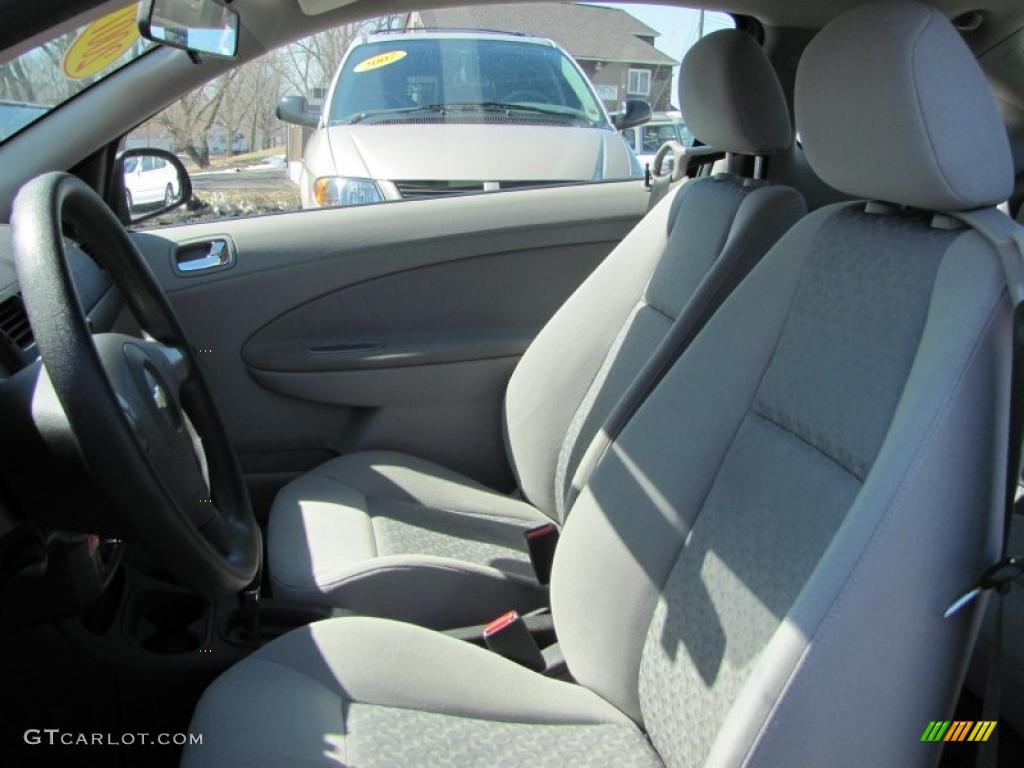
{"x":150,"y":180}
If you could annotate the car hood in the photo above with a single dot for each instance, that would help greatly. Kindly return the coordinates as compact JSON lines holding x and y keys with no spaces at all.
{"x":457,"y":152}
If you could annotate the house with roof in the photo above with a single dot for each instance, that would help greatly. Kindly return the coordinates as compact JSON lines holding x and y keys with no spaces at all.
{"x":615,"y":49}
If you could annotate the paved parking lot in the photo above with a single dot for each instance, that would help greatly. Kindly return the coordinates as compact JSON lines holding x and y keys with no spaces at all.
{"x":260,"y":179}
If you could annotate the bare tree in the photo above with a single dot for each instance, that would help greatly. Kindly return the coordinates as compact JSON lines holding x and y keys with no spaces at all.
{"x":190,"y":119}
{"x":250,"y":101}
{"x":309,"y":64}
{"x":238,"y":105}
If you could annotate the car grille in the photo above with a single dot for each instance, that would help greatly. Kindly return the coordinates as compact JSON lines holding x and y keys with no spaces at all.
{"x":413,"y":190}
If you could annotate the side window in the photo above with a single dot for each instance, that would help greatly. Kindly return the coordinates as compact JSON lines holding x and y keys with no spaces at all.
{"x":519,"y":106}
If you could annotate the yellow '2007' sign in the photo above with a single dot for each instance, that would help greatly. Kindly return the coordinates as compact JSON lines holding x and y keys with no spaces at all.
{"x":101,"y":43}
{"x":380,"y":60}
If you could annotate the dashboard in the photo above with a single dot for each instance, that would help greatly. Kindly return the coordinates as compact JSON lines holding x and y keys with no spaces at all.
{"x":96,"y":294}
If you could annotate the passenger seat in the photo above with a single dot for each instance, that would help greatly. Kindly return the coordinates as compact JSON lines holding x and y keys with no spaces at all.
{"x":387,"y":534}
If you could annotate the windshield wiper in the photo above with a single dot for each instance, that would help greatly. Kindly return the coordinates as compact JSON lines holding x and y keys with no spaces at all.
{"x":504,"y":106}
{"x":487,"y":106}
{"x":359,"y":117}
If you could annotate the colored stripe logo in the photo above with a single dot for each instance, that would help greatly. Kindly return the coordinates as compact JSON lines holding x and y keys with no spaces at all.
{"x":958,"y":730}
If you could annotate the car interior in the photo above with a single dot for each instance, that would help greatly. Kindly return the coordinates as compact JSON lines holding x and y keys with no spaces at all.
{"x":716,"y":468}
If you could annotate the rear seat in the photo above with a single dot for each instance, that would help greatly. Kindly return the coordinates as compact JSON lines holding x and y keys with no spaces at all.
{"x":388,"y":534}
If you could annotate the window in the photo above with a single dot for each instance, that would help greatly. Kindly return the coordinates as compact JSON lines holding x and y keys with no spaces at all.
{"x":639,"y":83}
{"x":425,"y":105}
{"x":656,"y":135}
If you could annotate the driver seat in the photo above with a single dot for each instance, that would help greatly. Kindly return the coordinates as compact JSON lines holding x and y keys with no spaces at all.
{"x":756,"y":572}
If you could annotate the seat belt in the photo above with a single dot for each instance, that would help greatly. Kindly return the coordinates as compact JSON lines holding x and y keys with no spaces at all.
{"x":1007,"y":237}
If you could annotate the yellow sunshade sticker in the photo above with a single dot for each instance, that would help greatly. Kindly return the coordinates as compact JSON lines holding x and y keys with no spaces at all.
{"x":380,"y":60}
{"x":101,"y":43}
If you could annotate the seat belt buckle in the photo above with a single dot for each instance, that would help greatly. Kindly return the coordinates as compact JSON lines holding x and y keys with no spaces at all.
{"x":540,"y":543}
{"x":509,"y":636}
{"x":998,"y":577}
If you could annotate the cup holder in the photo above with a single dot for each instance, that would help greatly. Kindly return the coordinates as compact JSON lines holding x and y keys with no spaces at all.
{"x":170,"y":623}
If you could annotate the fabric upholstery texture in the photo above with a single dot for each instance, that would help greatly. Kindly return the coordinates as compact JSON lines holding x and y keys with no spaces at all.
{"x":372,"y":693}
{"x":386,"y":534}
{"x":730,"y":97}
{"x":690,"y":253}
{"x":893,"y":125}
{"x":715,"y":519}
{"x":798,"y":458}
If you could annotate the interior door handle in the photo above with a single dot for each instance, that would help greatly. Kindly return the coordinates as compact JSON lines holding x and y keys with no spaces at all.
{"x":203,"y":256}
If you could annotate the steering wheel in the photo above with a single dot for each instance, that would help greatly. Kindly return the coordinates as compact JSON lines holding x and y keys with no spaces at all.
{"x":138,"y":412}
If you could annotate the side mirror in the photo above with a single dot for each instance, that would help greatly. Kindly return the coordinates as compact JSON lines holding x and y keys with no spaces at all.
{"x":197,"y":26}
{"x":637,"y":113}
{"x":149,"y":182}
{"x":293,"y":109}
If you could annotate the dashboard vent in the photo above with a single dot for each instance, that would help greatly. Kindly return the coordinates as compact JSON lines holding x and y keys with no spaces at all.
{"x":14,"y":323}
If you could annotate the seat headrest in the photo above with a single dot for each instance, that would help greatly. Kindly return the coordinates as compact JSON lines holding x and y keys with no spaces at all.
{"x":731,"y":98}
{"x":891,"y":105}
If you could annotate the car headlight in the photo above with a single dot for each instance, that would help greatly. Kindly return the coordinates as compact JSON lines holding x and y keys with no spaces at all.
{"x":338,"y":190}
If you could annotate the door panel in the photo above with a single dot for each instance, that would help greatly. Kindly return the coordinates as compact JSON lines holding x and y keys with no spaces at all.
{"x":391,"y":326}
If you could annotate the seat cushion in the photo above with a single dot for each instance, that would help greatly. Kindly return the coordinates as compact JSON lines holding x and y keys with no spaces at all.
{"x":387,"y":534}
{"x":356,"y":691}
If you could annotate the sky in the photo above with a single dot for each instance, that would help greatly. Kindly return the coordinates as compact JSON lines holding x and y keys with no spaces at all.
{"x":678,"y":28}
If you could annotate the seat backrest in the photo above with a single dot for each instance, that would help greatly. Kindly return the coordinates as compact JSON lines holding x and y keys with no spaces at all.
{"x":710,"y":232}
{"x":758,"y":568}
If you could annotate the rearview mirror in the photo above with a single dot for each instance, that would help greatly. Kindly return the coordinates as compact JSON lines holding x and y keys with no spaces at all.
{"x":197,"y":26}
{"x":294,"y":109}
{"x":149,"y":182}
{"x":637,"y":112}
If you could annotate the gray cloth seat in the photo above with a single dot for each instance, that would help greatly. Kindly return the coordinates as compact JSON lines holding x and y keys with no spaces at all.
{"x":422,"y":535}
{"x":343,"y":536}
{"x":359,"y":693}
{"x":756,"y":571}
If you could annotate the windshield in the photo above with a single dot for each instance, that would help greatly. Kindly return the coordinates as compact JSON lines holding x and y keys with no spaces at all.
{"x":409,"y":75}
{"x":656,"y":135}
{"x":44,"y":77}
